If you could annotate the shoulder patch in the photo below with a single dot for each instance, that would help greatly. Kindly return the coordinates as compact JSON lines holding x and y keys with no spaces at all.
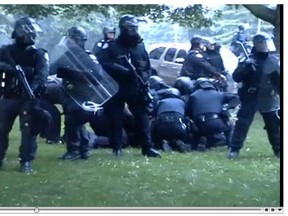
{"x":99,"y":44}
{"x":46,"y":56}
{"x":105,"y":46}
{"x":198,"y":55}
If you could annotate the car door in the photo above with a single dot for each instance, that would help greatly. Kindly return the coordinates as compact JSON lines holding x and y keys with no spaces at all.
{"x":168,"y":68}
{"x":156,"y":57}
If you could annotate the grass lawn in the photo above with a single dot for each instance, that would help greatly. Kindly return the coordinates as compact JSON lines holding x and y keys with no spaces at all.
{"x":196,"y":179}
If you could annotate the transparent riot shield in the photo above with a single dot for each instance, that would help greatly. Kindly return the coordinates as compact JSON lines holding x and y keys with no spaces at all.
{"x":84,"y":80}
{"x":230,"y":61}
{"x":4,"y":39}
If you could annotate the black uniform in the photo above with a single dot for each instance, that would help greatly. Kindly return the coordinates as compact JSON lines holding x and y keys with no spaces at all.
{"x":14,"y":99}
{"x":215,"y":59}
{"x":69,"y":67}
{"x":104,"y":43}
{"x":129,"y":46}
{"x":196,"y":66}
{"x":257,"y":93}
{"x":170,"y":124}
{"x":205,"y":109}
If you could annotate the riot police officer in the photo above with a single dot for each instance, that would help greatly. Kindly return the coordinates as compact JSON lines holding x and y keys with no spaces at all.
{"x":212,"y":53}
{"x":80,"y":73}
{"x":204,"y":108}
{"x":196,"y":65}
{"x":109,"y":35}
{"x":259,"y":74}
{"x":133,"y":81}
{"x":21,"y":57}
{"x":170,"y":123}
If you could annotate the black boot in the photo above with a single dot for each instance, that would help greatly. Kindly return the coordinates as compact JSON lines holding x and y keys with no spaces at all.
{"x":117,"y":152}
{"x":1,"y":164}
{"x":276,"y":152}
{"x":150,"y":152}
{"x":233,"y":153}
{"x":85,"y":155}
{"x":25,"y":167}
{"x":73,"y":155}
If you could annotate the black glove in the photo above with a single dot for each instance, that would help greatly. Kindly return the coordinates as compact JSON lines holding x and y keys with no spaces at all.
{"x":250,"y":64}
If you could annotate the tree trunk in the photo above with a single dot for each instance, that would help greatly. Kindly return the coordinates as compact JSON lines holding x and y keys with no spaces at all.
{"x":272,"y":16}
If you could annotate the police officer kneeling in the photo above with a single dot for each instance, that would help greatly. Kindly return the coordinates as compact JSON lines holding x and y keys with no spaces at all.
{"x":14,"y":100}
{"x":170,"y":123}
{"x":204,"y":108}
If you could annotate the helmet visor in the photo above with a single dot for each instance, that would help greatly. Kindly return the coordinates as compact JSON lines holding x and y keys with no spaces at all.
{"x":31,"y":28}
{"x":270,"y":45}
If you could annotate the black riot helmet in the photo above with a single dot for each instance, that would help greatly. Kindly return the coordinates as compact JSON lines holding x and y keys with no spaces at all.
{"x":172,"y":93}
{"x":204,"y":83}
{"x":184,"y":85}
{"x":78,"y":35}
{"x":197,"y":42}
{"x":263,"y":42}
{"x":25,"y":31}
{"x":157,"y":83}
{"x":196,"y":39}
{"x":129,"y":24}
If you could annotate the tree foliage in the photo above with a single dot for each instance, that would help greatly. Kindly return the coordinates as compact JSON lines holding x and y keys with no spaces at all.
{"x":189,"y":20}
{"x":190,"y":16}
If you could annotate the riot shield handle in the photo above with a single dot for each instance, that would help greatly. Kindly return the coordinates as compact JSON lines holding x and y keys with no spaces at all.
{"x":243,"y":48}
{"x":91,"y":106}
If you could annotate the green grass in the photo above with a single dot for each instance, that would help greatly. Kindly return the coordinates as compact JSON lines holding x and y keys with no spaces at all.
{"x":194,"y":179}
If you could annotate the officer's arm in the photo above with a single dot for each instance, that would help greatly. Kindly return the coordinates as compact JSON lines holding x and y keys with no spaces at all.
{"x":231,"y":99}
{"x":96,"y":48}
{"x":240,"y":72}
{"x":144,"y":66}
{"x":208,"y":68}
{"x":41,"y":71}
{"x":4,"y":65}
{"x":274,"y":78}
{"x":189,"y":111}
{"x":186,"y":69}
{"x":110,"y":65}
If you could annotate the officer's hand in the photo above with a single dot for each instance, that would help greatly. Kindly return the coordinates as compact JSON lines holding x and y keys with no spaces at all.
{"x":18,"y":69}
{"x":250,"y":64}
{"x":142,"y":65}
{"x":222,"y":77}
{"x":121,"y":68}
{"x":250,"y":61}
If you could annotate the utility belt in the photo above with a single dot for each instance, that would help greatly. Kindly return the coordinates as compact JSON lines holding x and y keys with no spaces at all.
{"x":9,"y":87}
{"x":171,"y":117}
{"x":251,"y":90}
{"x":206,"y":117}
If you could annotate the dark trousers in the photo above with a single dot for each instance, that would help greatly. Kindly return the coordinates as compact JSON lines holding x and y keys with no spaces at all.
{"x":211,"y":126}
{"x":76,"y":135}
{"x":53,"y":130}
{"x":114,"y":110}
{"x":245,"y":118}
{"x":170,"y":127}
{"x":9,"y":110}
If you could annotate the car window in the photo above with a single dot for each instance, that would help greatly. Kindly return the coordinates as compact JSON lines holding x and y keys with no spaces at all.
{"x":156,"y":53}
{"x":170,"y":54}
{"x":181,"y":54}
